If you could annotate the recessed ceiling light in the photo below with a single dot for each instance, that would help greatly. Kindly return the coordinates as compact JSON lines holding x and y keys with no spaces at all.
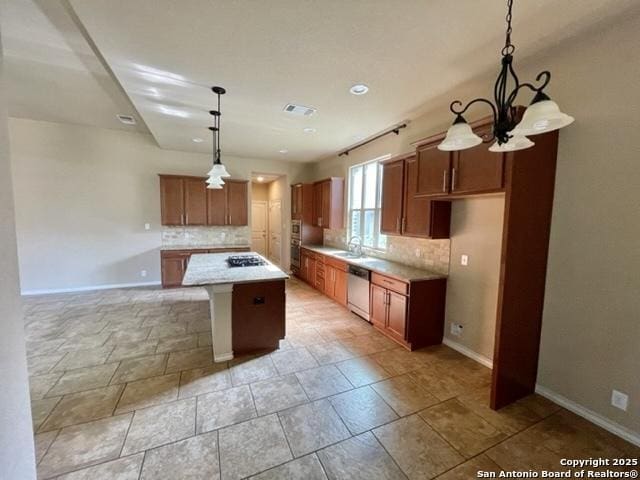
{"x":196,"y":140}
{"x":126,"y":119}
{"x":359,"y":89}
{"x":309,"y":130}
{"x":283,"y":151}
{"x":260,"y":179}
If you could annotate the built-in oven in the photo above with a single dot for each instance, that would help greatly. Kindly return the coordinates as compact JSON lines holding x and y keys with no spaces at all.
{"x":296,"y":229}
{"x":295,"y":254}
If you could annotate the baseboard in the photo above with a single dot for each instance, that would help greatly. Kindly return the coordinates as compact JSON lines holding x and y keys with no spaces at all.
{"x":223,"y":358}
{"x":593,"y":417}
{"x":481,"y":359}
{"x":88,"y":288}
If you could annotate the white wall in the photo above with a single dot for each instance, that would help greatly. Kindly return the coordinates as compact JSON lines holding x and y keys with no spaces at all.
{"x":17,"y":459}
{"x":83,"y":195}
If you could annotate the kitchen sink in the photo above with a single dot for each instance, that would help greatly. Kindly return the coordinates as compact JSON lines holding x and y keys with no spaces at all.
{"x":348,"y":255}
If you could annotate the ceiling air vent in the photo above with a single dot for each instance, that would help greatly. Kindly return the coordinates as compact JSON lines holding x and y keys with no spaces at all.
{"x":127,"y":119}
{"x":299,"y":110}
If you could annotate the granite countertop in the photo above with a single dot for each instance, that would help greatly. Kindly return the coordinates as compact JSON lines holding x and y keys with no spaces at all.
{"x":201,"y":247}
{"x":212,"y":269}
{"x":385,"y":267}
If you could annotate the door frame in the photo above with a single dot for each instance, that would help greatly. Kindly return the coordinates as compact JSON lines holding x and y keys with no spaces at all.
{"x":270,"y":203}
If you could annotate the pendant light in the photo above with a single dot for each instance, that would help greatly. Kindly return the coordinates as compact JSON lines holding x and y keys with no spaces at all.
{"x":542,"y":115}
{"x":218,"y":170}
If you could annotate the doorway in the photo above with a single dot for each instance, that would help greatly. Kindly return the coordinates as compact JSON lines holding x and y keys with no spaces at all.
{"x":267,"y":230}
{"x":275,"y":231}
{"x":259,"y":226}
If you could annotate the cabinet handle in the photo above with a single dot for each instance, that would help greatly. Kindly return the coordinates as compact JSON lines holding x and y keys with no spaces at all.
{"x":186,"y":218}
{"x":398,"y":224}
{"x":453,"y":179}
{"x":444,"y":181}
{"x":404,"y":224}
{"x":229,"y":219}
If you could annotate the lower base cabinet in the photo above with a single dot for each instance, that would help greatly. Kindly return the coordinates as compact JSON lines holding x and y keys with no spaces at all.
{"x":173,"y":263}
{"x":411,"y":313}
{"x":324,"y":273}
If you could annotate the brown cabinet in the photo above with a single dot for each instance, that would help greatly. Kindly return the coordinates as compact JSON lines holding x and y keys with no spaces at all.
{"x":433,"y":170}
{"x":411,"y":313}
{"x":403,"y":211}
{"x":297,"y":201}
{"x":228,"y":205}
{"x":186,"y":201}
{"x":328,"y":203}
{"x":392,"y":197}
{"x":308,"y":266}
{"x":335,"y":280}
{"x":477,"y":170}
{"x":173,"y":263}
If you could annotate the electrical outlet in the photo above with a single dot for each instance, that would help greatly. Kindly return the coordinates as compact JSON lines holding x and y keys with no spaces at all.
{"x":143,"y":273}
{"x":464,"y":260}
{"x":619,"y":400}
{"x":456,"y":329}
{"x":147,"y":226}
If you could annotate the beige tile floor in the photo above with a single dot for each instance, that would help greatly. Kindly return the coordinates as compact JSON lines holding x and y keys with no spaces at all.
{"x":123,"y":387}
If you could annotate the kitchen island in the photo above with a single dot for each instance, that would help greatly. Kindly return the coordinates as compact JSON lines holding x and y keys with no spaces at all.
{"x":247,"y":303}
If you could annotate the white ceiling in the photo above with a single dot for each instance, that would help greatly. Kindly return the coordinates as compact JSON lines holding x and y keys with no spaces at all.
{"x":166,"y":55}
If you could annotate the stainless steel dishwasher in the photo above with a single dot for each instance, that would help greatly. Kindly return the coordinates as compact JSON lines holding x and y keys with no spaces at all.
{"x":358,"y":291}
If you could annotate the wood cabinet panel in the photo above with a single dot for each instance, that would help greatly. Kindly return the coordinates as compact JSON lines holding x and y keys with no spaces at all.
{"x":172,"y":200}
{"x":340,"y":286}
{"x":392,"y":197}
{"x":477,"y":170}
{"x":237,"y":202}
{"x":216,"y":207}
{"x":317,"y":204}
{"x":390,"y":283}
{"x":297,"y":202}
{"x":433,"y":171}
{"x":328,"y":203}
{"x":195,"y":201}
{"x":173,"y":267}
{"x":378,"y":306}
{"x":396,"y":314}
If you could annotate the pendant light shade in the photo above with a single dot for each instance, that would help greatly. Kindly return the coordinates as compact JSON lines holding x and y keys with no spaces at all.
{"x":513,"y":144}
{"x":218,"y":170}
{"x":214,"y":183}
{"x":459,"y":136}
{"x":543,"y":115}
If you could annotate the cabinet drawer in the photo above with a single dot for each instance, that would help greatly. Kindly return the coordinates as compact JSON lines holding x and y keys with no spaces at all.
{"x":335,"y":263}
{"x":390,"y":283}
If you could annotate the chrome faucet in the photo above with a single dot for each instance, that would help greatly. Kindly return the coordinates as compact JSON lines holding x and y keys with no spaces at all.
{"x":358,"y":247}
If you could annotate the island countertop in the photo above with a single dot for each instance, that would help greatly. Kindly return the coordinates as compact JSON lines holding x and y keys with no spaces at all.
{"x":213,"y":269}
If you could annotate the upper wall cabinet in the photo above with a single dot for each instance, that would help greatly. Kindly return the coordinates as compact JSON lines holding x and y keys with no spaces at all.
{"x":185,"y":201}
{"x":328,"y":203}
{"x":466,"y":172}
{"x":302,"y":207}
{"x":403,"y":211}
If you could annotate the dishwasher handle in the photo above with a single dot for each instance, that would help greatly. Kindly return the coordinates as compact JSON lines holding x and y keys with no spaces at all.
{"x":359,"y":272}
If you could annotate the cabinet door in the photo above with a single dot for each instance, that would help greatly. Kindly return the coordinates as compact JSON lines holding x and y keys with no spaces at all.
{"x":378,"y":313}
{"x":195,"y":201}
{"x":397,"y":314}
{"x":433,"y":171}
{"x":172,"y":200}
{"x":423,"y":217}
{"x":340,"y":286}
{"x":325,"y":213}
{"x":296,"y":202}
{"x":237,"y":203}
{"x":311,"y":271}
{"x":477,"y":170}
{"x":173,"y":269}
{"x":217,"y":207}
{"x":317,"y":204}
{"x":392,"y":197}
{"x":304,"y":268}
{"x":329,"y":281}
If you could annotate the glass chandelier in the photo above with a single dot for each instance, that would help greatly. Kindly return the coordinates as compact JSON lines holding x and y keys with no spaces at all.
{"x":218,"y":170}
{"x":543,"y":114}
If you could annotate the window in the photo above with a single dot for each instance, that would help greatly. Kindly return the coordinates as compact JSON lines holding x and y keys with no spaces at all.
{"x":365,"y":188}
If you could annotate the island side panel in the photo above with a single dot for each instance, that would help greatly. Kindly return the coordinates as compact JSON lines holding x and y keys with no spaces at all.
{"x":220,"y":301}
{"x":258,"y":316}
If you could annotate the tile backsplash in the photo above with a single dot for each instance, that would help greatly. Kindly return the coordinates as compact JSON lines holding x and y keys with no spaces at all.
{"x":433,"y":254}
{"x":209,"y":236}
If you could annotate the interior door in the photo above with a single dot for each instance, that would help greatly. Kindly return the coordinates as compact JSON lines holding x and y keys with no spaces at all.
{"x":237,"y":199}
{"x":434,"y":171}
{"x":259,"y":227}
{"x":195,"y":201}
{"x":397,"y":316}
{"x":392,"y":188}
{"x":172,"y":200}
{"x":378,"y":313}
{"x":275,"y":231}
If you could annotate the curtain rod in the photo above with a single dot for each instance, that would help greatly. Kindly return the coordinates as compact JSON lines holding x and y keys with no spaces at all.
{"x":395,"y":130}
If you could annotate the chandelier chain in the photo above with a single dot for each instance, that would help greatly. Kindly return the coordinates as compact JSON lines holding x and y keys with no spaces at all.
{"x":509,"y":48}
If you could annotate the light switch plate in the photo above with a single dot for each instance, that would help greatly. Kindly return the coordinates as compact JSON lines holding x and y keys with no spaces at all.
{"x":619,"y":400}
{"x":147,"y":226}
{"x":143,"y":273}
{"x":464,"y":260}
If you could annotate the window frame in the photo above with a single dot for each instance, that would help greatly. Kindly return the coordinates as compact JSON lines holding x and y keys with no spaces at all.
{"x":379,"y":239}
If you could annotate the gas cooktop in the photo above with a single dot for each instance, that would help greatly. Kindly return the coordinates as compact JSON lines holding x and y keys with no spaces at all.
{"x":245,"y":261}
